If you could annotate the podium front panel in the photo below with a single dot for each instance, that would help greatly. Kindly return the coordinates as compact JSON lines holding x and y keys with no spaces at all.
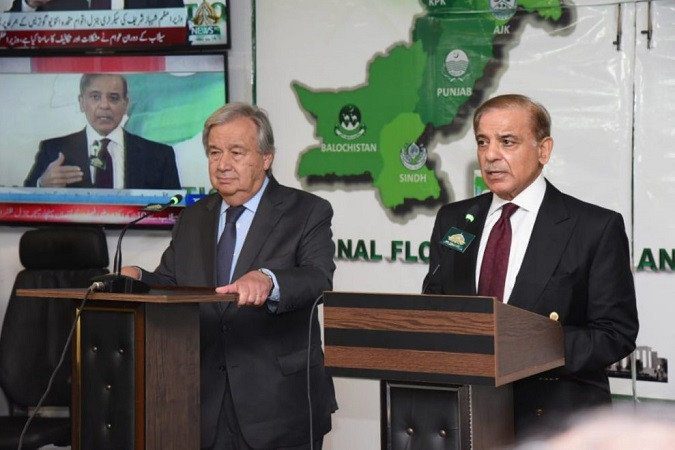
{"x":429,"y":338}
{"x":107,"y":379}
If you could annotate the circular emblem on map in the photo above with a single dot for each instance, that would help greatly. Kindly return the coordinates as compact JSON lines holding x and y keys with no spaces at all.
{"x":503,"y":9}
{"x":413,"y":156}
{"x":349,"y":124}
{"x":456,"y":63}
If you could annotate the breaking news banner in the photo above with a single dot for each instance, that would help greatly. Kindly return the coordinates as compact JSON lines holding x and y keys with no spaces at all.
{"x":134,"y":24}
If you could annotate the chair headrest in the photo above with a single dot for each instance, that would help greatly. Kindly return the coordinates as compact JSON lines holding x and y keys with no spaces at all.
{"x":64,"y":248}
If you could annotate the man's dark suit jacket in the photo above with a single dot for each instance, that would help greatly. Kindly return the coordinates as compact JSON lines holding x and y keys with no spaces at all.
{"x":576,"y":264}
{"x":148,"y":164}
{"x":262,"y":354}
{"x":79,"y":5}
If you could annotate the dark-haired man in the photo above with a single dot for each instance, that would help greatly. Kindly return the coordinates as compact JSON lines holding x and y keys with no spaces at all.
{"x":541,"y":250}
{"x":103,"y":154}
{"x":271,"y":245}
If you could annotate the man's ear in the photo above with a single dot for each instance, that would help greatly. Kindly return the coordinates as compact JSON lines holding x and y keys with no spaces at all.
{"x":80,"y":100}
{"x":545,"y":149}
{"x":267,"y":160}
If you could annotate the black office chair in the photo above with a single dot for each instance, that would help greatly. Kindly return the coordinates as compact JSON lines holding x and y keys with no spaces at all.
{"x":35,"y":330}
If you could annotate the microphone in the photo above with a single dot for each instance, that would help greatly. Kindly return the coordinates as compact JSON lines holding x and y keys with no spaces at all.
{"x":157,"y":207}
{"x":116,"y":282}
{"x":428,"y":282}
{"x":469,"y":217}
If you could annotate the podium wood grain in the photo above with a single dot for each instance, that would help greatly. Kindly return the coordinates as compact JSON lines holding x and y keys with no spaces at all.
{"x":166,"y":356}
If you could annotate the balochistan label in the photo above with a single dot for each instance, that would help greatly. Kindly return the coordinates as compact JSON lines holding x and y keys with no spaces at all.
{"x":349,"y":125}
{"x":413,"y":156}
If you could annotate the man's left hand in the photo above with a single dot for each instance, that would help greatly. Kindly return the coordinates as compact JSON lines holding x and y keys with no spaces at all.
{"x":253,"y":289}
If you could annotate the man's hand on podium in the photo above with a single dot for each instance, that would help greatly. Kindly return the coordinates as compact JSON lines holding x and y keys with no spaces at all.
{"x":253,"y":288}
{"x":132,"y":272}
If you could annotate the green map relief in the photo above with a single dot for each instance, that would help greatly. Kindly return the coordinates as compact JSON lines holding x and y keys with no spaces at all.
{"x":375,"y":129}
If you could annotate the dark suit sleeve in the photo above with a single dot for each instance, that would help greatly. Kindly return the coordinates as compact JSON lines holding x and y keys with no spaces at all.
{"x":612,"y":324}
{"x":165,"y":273}
{"x":170,"y":170}
{"x":16,"y":6}
{"x":149,"y":164}
{"x":43,"y":158}
{"x":313,"y":272}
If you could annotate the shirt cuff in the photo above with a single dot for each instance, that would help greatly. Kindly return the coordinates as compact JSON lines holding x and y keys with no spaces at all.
{"x":275,"y":295}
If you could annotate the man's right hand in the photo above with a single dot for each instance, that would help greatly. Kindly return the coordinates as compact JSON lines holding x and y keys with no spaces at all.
{"x":58,"y":175}
{"x":131,"y":271}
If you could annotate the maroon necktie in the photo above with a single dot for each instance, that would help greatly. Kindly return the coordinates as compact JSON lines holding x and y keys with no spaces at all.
{"x":103,"y":175}
{"x":496,"y":256}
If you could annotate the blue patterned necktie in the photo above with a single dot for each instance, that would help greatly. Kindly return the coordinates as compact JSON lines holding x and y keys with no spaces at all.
{"x":225,"y":249}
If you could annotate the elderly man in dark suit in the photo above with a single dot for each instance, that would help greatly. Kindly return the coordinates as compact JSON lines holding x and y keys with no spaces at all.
{"x":541,"y":250}
{"x":103,"y":154}
{"x":272,"y":246}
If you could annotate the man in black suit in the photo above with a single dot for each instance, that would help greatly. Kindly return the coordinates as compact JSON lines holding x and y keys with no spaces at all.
{"x":254,"y":353}
{"x":80,"y":5}
{"x":132,"y":162}
{"x":567,"y":259}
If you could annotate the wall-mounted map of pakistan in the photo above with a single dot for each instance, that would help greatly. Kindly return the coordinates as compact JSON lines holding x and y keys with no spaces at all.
{"x":379,"y":129}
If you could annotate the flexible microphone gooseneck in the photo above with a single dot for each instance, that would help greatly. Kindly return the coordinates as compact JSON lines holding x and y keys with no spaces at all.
{"x":96,"y":286}
{"x":425,"y":286}
{"x":469,"y":217}
{"x":118,"y":283}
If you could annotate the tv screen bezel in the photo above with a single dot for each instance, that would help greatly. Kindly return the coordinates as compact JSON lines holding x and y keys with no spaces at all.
{"x":163,"y":220}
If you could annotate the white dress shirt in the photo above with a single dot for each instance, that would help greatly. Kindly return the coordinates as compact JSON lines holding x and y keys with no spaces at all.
{"x":522,"y":222}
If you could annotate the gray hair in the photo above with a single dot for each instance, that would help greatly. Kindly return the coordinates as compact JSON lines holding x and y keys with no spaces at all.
{"x":88,"y":78}
{"x":541,"y":119}
{"x":233,"y":111}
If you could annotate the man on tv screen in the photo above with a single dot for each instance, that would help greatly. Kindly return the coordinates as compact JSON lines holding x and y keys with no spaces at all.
{"x":103,"y":154}
{"x":79,"y":5}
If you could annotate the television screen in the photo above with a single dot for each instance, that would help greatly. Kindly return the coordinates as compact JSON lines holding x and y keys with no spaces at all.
{"x":89,"y":139}
{"x":58,"y":25}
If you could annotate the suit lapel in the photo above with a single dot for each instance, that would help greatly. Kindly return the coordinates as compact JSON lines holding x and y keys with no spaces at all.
{"x":134,"y":162}
{"x":264,"y":221}
{"x":464,"y":267}
{"x":209,"y":243}
{"x":550,"y":235}
{"x":266,"y":217}
{"x":80,"y":156}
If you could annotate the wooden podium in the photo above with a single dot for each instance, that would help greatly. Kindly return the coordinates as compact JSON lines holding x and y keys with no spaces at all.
{"x":135,"y":377}
{"x":468,"y":348}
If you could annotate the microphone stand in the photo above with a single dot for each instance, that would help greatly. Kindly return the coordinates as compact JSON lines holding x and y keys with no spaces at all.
{"x":116,"y":282}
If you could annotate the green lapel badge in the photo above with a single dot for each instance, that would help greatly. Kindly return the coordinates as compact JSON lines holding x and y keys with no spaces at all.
{"x":457,"y":239}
